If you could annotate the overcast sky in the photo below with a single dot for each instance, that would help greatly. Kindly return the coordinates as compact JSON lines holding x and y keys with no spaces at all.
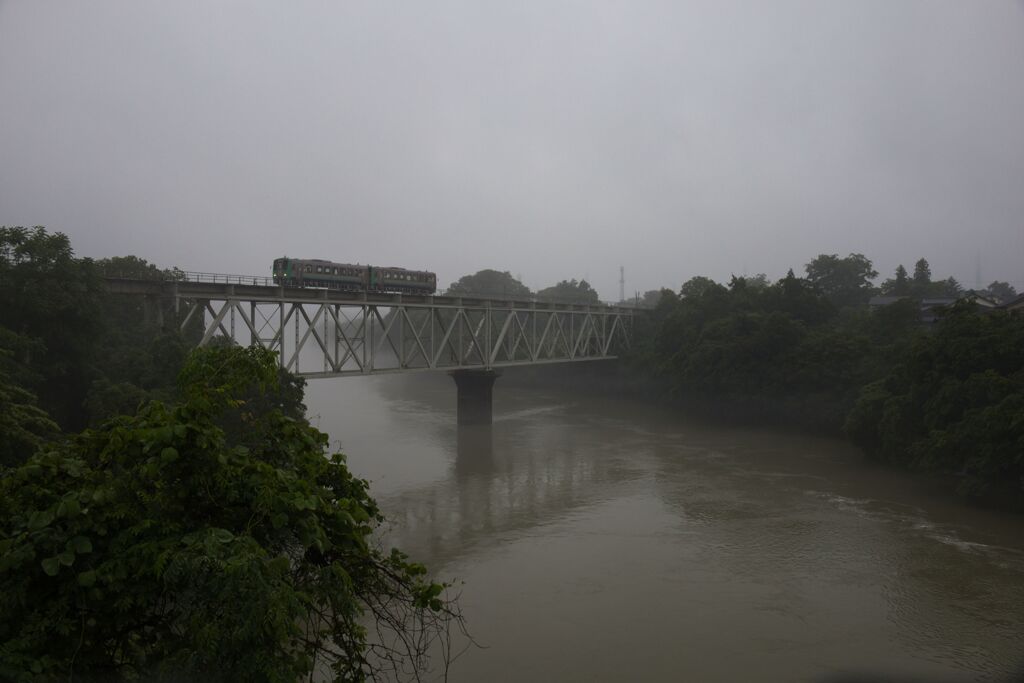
{"x":551,"y":139}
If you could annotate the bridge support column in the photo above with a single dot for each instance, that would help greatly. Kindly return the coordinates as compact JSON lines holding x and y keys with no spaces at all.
{"x":474,"y":401}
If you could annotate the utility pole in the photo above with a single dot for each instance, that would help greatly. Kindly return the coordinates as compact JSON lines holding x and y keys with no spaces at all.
{"x":622,"y":283}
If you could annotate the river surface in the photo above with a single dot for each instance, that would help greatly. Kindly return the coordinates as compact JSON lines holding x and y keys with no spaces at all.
{"x":597,"y":538}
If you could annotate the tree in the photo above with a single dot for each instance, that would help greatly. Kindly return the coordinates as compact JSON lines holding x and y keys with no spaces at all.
{"x":899,"y":285}
{"x":489,"y":282}
{"x":650,"y":298}
{"x":922,"y":275}
{"x":135,"y":268}
{"x":1000,"y":291}
{"x":570,"y":291}
{"x":53,"y":301}
{"x":799,"y":298}
{"x":698,"y":286}
{"x":953,"y":401}
{"x":845,"y":281}
{"x":159,"y":546}
{"x":759,"y":281}
{"x":24,"y":427}
{"x":948,"y":288}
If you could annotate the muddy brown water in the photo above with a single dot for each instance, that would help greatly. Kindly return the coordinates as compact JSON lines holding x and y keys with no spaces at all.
{"x":598,"y":538}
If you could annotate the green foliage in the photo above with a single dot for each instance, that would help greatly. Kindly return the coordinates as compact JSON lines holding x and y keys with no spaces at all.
{"x":85,"y":353}
{"x":489,"y":282}
{"x":135,"y":268}
{"x":899,"y":285}
{"x":755,"y":350}
{"x":922,"y":274}
{"x":570,"y":291}
{"x":649,"y":299}
{"x":24,"y":427}
{"x":921,"y":286}
{"x":953,"y":402}
{"x":946,"y":399}
{"x":699,"y":286}
{"x":52,"y":301}
{"x":844,"y":281}
{"x":161,"y":546}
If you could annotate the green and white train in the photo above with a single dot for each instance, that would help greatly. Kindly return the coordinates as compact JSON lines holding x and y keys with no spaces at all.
{"x":317,"y":273}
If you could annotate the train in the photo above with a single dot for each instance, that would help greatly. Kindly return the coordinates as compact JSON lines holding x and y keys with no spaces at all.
{"x":318,"y":273}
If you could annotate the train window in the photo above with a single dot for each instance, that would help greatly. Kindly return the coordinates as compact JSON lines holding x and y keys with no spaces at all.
{"x":309,"y":269}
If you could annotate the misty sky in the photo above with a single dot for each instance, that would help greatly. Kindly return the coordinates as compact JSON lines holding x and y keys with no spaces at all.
{"x":551,"y":139}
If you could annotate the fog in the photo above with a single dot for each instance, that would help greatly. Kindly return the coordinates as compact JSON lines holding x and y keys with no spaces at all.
{"x":552,"y":140}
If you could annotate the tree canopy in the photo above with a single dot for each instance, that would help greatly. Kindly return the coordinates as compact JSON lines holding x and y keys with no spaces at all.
{"x":207,"y":540}
{"x":489,"y":282}
{"x":844,"y":281}
{"x":570,"y":291}
{"x":50,"y":308}
{"x":133,"y":267}
{"x":953,"y":401}
{"x":898,"y":285}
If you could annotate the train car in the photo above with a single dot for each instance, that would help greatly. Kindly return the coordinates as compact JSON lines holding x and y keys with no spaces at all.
{"x":321,"y":274}
{"x":402,"y":280}
{"x":317,"y":273}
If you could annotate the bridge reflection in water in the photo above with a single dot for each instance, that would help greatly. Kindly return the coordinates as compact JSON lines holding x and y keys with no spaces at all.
{"x":505,"y":480}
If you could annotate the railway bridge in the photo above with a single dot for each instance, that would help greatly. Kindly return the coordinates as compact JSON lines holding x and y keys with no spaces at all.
{"x":320,"y":333}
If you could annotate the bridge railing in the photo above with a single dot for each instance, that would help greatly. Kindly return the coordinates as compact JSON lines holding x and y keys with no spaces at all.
{"x":227,"y":279}
{"x":176,"y":275}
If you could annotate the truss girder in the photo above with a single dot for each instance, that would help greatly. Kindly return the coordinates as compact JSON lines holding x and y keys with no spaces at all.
{"x":368,"y":338}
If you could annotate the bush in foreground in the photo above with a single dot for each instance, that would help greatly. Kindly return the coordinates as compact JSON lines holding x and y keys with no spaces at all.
{"x":204,"y":541}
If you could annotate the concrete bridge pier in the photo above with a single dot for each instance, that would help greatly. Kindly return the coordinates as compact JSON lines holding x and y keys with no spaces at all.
{"x":474,"y":401}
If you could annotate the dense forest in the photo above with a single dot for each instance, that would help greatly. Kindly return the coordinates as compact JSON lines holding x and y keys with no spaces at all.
{"x":939,"y":389}
{"x":167,"y":515}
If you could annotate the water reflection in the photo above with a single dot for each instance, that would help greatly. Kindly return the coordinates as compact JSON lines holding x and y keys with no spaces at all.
{"x":474,"y":451}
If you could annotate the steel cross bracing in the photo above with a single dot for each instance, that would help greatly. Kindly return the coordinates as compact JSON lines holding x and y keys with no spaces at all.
{"x":320,"y":333}
{"x":355,"y":339}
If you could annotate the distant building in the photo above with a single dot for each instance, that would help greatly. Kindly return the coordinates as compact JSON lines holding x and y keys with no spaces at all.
{"x":931,"y":308}
{"x":879,"y":301}
{"x":1014,"y":306}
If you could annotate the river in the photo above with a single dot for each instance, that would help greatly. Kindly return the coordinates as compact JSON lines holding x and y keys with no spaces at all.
{"x":598,"y":538}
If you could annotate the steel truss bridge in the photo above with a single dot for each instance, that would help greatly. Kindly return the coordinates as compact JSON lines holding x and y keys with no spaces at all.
{"x":331,"y":333}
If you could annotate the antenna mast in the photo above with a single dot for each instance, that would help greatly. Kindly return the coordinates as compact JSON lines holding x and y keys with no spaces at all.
{"x":622,"y":283}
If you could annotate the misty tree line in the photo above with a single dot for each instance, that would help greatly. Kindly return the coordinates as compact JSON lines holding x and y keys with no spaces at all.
{"x":167,"y":515}
{"x":496,"y":283}
{"x":942,"y":397}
